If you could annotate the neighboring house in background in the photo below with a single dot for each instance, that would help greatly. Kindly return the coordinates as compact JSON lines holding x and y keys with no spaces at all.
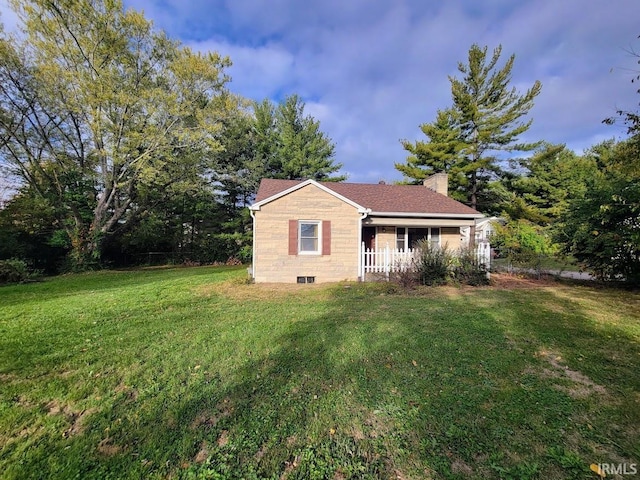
{"x":309,"y":231}
{"x":484,"y":228}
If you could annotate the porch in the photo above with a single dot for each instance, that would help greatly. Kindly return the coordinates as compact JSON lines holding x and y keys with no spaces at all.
{"x":381,"y":262}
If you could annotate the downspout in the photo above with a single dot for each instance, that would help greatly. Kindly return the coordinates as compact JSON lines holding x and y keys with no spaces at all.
{"x":253,"y":246}
{"x":365,"y":214}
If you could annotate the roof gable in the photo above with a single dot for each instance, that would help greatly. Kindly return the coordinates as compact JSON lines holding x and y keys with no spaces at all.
{"x":410,"y":200}
{"x":271,"y":189}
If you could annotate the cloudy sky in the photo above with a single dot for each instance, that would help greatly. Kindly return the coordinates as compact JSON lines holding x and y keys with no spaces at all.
{"x":373,"y":71}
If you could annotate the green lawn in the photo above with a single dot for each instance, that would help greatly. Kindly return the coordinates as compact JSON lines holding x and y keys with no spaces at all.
{"x":191,"y":373}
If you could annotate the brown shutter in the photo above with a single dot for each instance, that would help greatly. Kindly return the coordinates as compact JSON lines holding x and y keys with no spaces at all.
{"x":326,"y":237}
{"x":293,"y":237}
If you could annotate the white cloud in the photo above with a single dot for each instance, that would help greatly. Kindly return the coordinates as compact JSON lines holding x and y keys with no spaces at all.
{"x":372,"y":72}
{"x":258,"y":72}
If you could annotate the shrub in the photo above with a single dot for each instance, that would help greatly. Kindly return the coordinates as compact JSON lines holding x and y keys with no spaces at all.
{"x":406,"y":276}
{"x":14,"y":271}
{"x":434,"y":263}
{"x":467,"y":268}
{"x":222,"y":246}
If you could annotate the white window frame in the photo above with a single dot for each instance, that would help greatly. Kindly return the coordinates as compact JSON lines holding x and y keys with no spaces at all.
{"x":318,"y":251}
{"x":406,"y":235}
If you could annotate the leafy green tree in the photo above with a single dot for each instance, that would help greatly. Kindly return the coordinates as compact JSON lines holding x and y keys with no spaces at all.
{"x":522,"y":237}
{"x":601,"y":227}
{"x":29,"y":231}
{"x":545,"y":183}
{"x":486,"y":118}
{"x":630,"y":118}
{"x":96,"y":107}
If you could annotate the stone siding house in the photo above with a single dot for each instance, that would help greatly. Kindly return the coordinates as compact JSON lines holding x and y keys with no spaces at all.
{"x":309,"y":231}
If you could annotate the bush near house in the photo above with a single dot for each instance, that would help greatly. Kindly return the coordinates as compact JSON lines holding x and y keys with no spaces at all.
{"x":438,"y":265}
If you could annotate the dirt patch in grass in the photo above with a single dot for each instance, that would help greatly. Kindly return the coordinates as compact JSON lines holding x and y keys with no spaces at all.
{"x":210,"y":419}
{"x":79,"y":422}
{"x":7,"y":378}
{"x":289,"y":467}
{"x":23,"y":402}
{"x":204,"y":419}
{"x":513,"y":281}
{"x":459,"y":467}
{"x":582,"y":386}
{"x":356,"y":433}
{"x":77,"y":419}
{"x":261,"y":453}
{"x":106,"y":448}
{"x":131,"y":393}
{"x":376,"y":425}
{"x":223,"y":439}
{"x":202,"y":454}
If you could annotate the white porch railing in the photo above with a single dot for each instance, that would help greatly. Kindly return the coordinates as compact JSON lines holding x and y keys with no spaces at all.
{"x":388,"y":260}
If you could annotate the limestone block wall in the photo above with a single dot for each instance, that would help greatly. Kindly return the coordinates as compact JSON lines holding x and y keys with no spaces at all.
{"x":272,"y":261}
{"x":450,"y":236}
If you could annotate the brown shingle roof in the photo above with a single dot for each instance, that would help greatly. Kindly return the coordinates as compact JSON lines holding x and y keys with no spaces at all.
{"x":380,"y":197}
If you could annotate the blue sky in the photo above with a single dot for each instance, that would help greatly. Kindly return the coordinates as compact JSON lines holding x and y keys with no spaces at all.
{"x":373,"y":71}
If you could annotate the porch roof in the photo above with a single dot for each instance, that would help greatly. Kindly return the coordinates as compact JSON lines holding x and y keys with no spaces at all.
{"x":413,"y":200}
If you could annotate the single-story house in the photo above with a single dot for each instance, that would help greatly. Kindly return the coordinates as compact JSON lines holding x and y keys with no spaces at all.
{"x":309,"y":231}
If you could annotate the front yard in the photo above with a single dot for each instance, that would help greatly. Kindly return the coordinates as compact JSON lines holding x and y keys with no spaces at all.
{"x":191,"y":373}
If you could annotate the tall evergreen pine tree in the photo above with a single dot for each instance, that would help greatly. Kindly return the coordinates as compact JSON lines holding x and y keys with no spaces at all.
{"x":485,"y":118}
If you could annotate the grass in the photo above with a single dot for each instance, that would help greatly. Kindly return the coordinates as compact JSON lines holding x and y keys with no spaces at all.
{"x":191,"y":373}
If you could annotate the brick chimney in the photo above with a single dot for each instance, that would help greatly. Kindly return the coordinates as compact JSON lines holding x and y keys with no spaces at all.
{"x":438,"y":182}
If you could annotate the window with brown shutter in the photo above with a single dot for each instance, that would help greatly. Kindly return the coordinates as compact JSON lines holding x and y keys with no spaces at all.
{"x":309,"y":237}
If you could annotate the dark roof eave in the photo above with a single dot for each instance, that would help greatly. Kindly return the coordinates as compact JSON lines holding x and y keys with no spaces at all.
{"x":469,"y":216}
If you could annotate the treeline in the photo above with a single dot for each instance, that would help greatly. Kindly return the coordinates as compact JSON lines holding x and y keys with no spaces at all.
{"x":124,"y":142}
{"x":129,"y":147}
{"x":554,"y":201}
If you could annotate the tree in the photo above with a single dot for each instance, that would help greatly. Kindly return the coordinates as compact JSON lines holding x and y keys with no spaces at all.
{"x":522,"y":242}
{"x":601,"y":228}
{"x":29,"y":231}
{"x":630,"y":118}
{"x":485,"y":119}
{"x":544,"y":183}
{"x":291,"y":145}
{"x":247,"y":138}
{"x":270,"y":141}
{"x":303,"y":151}
{"x":96,"y":107}
{"x":440,"y":154}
